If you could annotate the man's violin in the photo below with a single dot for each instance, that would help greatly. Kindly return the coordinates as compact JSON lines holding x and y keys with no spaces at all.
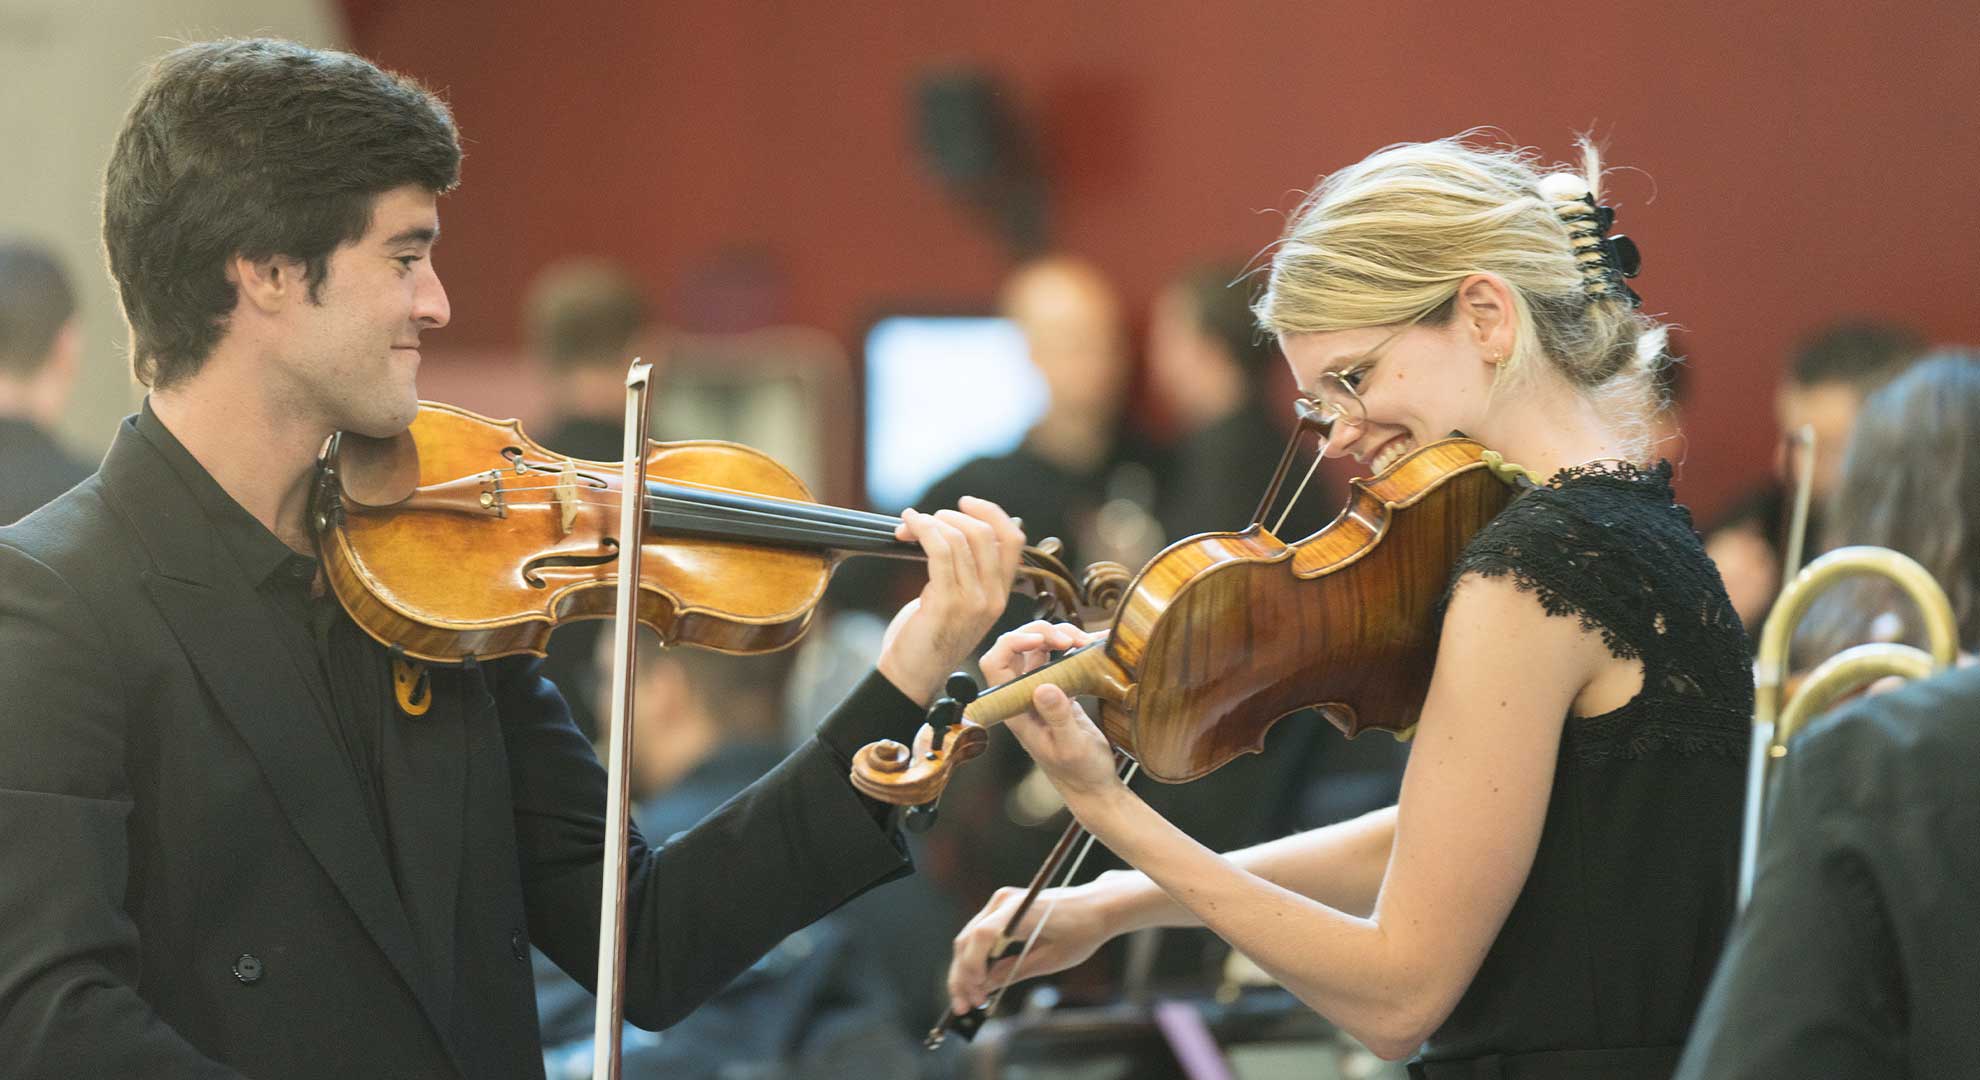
{"x":463,"y":537}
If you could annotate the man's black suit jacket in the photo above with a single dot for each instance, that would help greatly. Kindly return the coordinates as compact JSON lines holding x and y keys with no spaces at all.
{"x":1858,"y":955}
{"x":188,"y":883}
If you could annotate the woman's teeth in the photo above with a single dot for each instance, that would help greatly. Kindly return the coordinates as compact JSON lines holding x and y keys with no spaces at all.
{"x":1391,"y":454}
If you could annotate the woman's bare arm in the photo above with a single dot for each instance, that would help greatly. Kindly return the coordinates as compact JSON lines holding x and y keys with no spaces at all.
{"x":1464,"y":834}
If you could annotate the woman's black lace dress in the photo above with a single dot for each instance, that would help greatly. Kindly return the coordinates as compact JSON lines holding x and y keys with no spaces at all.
{"x":1602,"y":962}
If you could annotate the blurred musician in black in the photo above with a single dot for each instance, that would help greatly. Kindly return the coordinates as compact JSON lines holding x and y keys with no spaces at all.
{"x":1857,"y":954}
{"x":40,"y":354}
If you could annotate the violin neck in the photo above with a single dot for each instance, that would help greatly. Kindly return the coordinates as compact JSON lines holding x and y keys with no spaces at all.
{"x":1089,"y":669}
{"x":718,"y":514}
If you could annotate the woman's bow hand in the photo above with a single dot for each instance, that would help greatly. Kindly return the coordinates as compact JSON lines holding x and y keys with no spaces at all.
{"x":1076,"y":928}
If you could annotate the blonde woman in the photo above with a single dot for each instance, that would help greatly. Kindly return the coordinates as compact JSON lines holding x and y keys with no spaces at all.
{"x":1549,"y":894}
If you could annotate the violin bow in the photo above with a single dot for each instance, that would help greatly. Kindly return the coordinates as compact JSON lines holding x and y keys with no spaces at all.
{"x":966,"y":1024}
{"x":609,"y":1019}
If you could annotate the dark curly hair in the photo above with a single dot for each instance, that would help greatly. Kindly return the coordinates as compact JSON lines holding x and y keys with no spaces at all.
{"x":256,"y":148}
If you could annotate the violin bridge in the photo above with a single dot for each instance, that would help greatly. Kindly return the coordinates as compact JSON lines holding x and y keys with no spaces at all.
{"x":567,"y":493}
{"x":491,"y":496}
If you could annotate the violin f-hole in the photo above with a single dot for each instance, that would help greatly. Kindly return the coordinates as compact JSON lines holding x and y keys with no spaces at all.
{"x":531,"y":568}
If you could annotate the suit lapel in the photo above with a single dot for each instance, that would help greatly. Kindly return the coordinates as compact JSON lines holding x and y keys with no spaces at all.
{"x":221,"y":624}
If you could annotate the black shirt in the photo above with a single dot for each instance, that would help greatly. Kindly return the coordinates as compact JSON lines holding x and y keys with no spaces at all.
{"x":33,"y":469}
{"x":1608,"y":948}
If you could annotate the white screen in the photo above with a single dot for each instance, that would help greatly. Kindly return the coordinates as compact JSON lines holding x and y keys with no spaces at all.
{"x":941,"y":390}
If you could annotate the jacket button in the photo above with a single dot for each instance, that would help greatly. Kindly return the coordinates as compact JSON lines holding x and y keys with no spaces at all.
{"x":248,"y":969}
{"x":517,"y":946}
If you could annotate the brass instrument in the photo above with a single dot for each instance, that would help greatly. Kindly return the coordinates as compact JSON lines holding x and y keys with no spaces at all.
{"x":1775,"y":722}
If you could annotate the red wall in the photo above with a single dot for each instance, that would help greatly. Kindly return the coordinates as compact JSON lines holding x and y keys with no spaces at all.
{"x":1807,"y":160}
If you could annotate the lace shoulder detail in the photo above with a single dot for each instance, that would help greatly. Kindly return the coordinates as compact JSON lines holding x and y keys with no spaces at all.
{"x":1608,"y":546}
{"x":1575,"y":541}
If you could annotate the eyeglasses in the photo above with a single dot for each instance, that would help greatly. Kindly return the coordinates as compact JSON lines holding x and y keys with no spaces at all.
{"x":1332,"y":401}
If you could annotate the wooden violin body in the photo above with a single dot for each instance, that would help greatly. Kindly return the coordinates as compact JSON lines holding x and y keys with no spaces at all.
{"x":463,"y":537}
{"x":1221,"y":635}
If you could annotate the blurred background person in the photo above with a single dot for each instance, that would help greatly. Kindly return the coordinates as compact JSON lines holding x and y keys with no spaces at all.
{"x":585,"y":320}
{"x":1056,"y":480}
{"x":40,"y":354}
{"x":1833,"y":370}
{"x":1217,"y":377}
{"x":1909,"y":481}
{"x":821,"y":1004}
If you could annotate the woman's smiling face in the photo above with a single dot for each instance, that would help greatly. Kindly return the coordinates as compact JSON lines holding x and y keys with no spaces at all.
{"x":1416,"y":384}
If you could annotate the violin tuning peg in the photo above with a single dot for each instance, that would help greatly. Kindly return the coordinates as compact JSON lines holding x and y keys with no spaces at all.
{"x":920,"y":819}
{"x":945,"y":711}
{"x":961,"y":687}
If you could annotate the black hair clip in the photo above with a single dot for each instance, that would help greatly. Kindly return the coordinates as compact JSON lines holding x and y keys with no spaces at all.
{"x":1621,"y":259}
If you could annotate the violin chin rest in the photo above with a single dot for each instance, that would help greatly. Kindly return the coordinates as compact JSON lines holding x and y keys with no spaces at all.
{"x":375,"y":472}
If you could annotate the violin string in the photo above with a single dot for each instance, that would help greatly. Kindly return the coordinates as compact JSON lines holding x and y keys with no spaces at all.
{"x":1319,"y":454}
{"x":687,"y":512}
{"x":990,"y":1007}
{"x":726,"y":497}
{"x":796,"y":520}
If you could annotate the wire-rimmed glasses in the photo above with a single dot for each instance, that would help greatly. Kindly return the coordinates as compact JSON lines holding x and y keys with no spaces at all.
{"x":1331,"y":401}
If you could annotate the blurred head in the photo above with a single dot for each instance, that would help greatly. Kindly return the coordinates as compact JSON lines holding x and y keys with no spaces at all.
{"x":264,"y":161}
{"x":1206,"y":355}
{"x":1071,"y":319}
{"x":40,"y":344}
{"x":1455,"y":264}
{"x":1910,"y":482}
{"x":1833,"y":370}
{"x":585,"y":313}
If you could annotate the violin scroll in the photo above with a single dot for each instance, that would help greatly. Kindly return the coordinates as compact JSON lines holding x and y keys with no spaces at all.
{"x":1102,"y":588}
{"x":904,"y":776}
{"x":896,"y":774}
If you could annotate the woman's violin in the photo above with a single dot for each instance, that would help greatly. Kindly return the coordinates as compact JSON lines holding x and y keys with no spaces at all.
{"x":462,"y":537}
{"x":1223,"y":634}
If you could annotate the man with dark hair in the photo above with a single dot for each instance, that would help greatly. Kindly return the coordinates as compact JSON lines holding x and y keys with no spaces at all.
{"x":1832,"y":372}
{"x":226,"y":847}
{"x":40,"y":353}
